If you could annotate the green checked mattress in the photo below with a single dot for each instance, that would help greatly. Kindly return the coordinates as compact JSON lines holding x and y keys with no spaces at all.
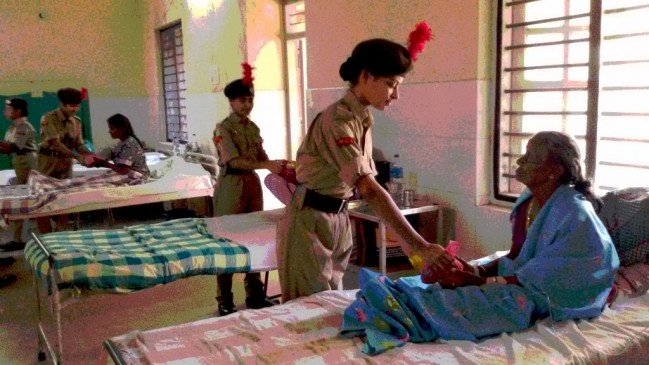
{"x":136,"y":257}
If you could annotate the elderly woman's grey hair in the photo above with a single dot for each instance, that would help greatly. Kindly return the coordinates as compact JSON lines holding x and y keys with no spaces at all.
{"x":563,"y":149}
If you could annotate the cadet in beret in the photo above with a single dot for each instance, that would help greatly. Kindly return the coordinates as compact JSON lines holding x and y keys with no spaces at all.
{"x":20,"y":143}
{"x":314,"y":237}
{"x":240,"y":152}
{"x":61,"y":141}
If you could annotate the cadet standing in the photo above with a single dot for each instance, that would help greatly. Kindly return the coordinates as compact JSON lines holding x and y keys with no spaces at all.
{"x":314,"y":238}
{"x":61,"y":141}
{"x":20,"y":143}
{"x":240,"y":152}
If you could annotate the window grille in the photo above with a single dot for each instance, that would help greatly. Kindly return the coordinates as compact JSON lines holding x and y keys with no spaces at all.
{"x":580,"y":67}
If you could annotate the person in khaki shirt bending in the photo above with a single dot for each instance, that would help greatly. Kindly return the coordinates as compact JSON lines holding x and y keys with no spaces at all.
{"x":314,"y":240}
{"x":240,"y":152}
{"x":61,"y":141}
{"x":20,"y":143}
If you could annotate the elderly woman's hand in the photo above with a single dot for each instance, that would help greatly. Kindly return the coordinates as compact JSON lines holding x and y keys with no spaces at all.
{"x":455,"y":278}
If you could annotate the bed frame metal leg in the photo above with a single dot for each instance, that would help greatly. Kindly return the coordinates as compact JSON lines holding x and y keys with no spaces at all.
{"x":55,"y":307}
{"x":111,"y":218}
{"x":41,"y":344}
{"x":57,"y":317}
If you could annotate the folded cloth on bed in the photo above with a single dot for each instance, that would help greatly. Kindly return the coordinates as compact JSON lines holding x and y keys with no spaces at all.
{"x":137,"y":257}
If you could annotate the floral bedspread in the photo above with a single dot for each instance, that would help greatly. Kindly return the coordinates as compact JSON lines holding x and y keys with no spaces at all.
{"x":306,"y":331}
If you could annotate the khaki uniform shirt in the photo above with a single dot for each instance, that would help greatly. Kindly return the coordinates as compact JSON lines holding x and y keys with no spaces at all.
{"x":55,"y":124}
{"x":234,"y":137}
{"x":337,"y":149}
{"x":21,"y":135}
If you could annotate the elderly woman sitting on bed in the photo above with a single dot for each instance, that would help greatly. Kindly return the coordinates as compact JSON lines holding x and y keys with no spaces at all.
{"x":561,"y":265}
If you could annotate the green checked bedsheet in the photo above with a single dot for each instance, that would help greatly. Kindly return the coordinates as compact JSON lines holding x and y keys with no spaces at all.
{"x":136,"y":257}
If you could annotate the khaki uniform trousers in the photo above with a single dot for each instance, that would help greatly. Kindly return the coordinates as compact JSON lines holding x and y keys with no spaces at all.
{"x":54,"y":166}
{"x":22,"y":165}
{"x":58,"y":168}
{"x":313,"y":250}
{"x":237,"y":194}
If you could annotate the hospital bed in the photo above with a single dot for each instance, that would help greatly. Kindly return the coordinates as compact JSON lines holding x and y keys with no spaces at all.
{"x":7,"y":176}
{"x":70,"y":265}
{"x":171,"y":179}
{"x":305,"y":331}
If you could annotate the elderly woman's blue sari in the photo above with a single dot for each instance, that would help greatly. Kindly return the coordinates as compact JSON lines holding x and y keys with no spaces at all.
{"x":566,"y":268}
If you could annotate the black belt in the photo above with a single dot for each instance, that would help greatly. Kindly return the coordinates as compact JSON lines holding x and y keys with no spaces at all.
{"x":23,"y":152}
{"x":324,"y":203}
{"x":233,"y":171}
{"x":49,"y":152}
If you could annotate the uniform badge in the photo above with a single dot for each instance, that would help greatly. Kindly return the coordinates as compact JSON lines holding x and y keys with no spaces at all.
{"x":345,"y":141}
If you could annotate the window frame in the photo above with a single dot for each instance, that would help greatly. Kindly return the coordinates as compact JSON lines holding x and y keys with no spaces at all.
{"x":181,"y":132}
{"x":593,"y":88}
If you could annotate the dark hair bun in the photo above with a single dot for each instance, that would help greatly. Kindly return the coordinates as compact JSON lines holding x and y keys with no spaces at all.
{"x":349,"y":70}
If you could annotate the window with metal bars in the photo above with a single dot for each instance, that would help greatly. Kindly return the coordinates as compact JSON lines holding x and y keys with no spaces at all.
{"x":580,"y":67}
{"x":173,"y":82}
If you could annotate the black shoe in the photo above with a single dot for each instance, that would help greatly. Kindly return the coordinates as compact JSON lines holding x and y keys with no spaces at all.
{"x":6,"y":280}
{"x":257,"y":303}
{"x":6,"y":261}
{"x":12,"y":246}
{"x":226,"y":308}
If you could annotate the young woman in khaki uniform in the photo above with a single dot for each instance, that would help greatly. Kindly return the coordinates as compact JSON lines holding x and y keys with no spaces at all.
{"x":240,"y":152}
{"x":20,"y":143}
{"x":314,"y":238}
{"x":61,"y":142}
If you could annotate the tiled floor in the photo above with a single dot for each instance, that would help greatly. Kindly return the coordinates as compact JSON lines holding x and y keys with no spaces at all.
{"x":87,"y":322}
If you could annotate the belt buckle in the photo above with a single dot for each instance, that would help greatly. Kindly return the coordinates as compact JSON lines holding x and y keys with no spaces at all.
{"x":343,"y":206}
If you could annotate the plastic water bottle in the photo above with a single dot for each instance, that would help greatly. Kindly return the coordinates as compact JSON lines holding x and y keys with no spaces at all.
{"x":176,"y":145}
{"x":195,"y":147}
{"x":396,"y":179}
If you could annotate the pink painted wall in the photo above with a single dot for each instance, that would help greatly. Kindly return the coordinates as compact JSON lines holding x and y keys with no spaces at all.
{"x":334,"y":27}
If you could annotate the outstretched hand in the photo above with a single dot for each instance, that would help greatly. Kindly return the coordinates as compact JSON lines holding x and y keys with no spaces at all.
{"x":436,"y":256}
{"x":275,"y":166}
{"x":92,"y":160}
{"x":465,"y":265}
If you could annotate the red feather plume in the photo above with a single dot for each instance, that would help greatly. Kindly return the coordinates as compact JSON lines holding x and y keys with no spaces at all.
{"x":84,"y":93}
{"x":418,"y":38}
{"x":247,"y":74}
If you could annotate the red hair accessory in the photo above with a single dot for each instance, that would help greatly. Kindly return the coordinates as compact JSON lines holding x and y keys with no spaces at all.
{"x":418,"y":38}
{"x":247,"y":74}
{"x":84,"y":93}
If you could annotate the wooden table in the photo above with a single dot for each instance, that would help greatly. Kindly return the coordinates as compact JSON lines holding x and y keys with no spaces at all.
{"x":361,"y":210}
